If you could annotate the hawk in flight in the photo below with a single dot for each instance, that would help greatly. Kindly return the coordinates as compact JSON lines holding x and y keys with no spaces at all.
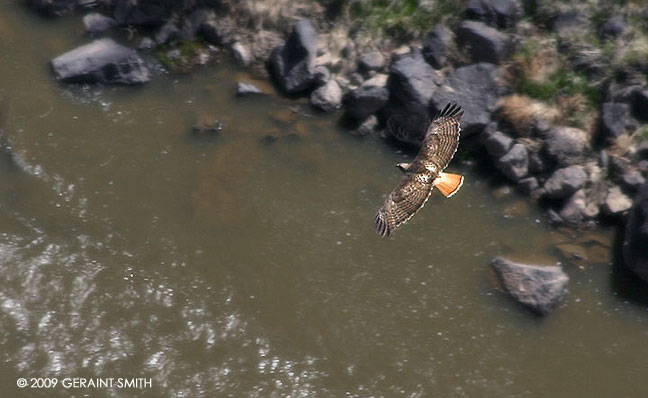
{"x":425,"y":172}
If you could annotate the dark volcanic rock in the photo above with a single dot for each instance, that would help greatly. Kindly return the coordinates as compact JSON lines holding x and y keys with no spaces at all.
{"x":498,"y":13}
{"x":485,"y":44}
{"x":412,"y":80}
{"x":327,"y":97}
{"x":53,"y":8}
{"x":515,"y":164}
{"x":566,"y":145}
{"x":321,"y":75}
{"x":143,"y":12}
{"x":293,"y":64}
{"x":568,"y":19}
{"x":642,"y":149}
{"x":192,"y":23}
{"x":371,"y":61}
{"x":436,"y":46}
{"x":365,"y":101}
{"x":564,"y":182}
{"x":540,"y":288}
{"x":635,"y":241}
{"x":573,"y":211}
{"x":613,"y":27}
{"x":102,"y":61}
{"x":640,"y":104}
{"x":167,"y":32}
{"x":367,"y":127}
{"x":632,"y":180}
{"x":475,"y":87}
{"x":96,"y":24}
{"x":497,"y":144}
{"x":614,"y":117}
{"x":528,"y":185}
{"x":537,"y":164}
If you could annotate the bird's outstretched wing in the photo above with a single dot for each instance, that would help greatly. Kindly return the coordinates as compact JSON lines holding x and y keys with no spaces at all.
{"x":408,"y":197}
{"x":442,"y":138}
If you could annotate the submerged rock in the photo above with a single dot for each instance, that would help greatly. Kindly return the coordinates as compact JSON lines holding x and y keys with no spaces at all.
{"x":207,"y":126}
{"x":635,"y":242}
{"x":293,"y":64}
{"x":367,"y":127}
{"x":102,"y":61}
{"x":244,"y":89}
{"x":540,"y":288}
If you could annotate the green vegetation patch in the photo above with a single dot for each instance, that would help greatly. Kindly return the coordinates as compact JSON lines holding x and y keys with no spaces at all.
{"x":560,"y":82}
{"x":403,"y":19}
{"x":181,"y":56}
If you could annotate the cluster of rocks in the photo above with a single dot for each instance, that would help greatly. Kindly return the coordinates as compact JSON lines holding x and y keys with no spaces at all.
{"x":579,"y":176}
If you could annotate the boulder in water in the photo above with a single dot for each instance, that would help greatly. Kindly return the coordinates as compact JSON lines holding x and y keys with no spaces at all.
{"x":540,"y":288}
{"x":102,"y":61}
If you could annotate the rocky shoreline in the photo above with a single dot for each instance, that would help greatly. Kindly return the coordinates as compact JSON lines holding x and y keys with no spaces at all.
{"x":581,"y":150}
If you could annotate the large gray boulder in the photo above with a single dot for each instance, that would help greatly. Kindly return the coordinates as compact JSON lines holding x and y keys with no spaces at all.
{"x":144,"y":12}
{"x":515,"y":163}
{"x":412,"y":81}
{"x":484,"y":43}
{"x":436,"y":46}
{"x":497,"y":13}
{"x":566,"y":145}
{"x":475,"y":87}
{"x":365,"y":101}
{"x":635,"y":243}
{"x":614,"y":118}
{"x":540,"y":288}
{"x":102,"y":61}
{"x":497,"y":144}
{"x":564,"y":182}
{"x":293,"y":64}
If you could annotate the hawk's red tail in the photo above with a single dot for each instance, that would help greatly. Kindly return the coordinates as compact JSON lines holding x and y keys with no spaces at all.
{"x":448,"y":183}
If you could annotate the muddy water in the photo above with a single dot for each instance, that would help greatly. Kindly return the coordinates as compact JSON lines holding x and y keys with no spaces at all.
{"x":233,"y":266}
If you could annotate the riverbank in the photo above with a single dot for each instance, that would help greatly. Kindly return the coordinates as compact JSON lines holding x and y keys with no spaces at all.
{"x":554,"y":94}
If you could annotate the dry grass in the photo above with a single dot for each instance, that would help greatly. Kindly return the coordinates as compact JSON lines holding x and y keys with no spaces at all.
{"x":521,"y":113}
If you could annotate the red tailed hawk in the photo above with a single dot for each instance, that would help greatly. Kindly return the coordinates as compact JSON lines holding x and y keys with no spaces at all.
{"x":425,"y":172}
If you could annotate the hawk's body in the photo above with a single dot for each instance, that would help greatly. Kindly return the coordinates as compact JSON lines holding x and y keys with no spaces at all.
{"x":425,"y":172}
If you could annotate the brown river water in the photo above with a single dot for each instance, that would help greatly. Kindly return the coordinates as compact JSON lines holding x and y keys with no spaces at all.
{"x":226,"y":266}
